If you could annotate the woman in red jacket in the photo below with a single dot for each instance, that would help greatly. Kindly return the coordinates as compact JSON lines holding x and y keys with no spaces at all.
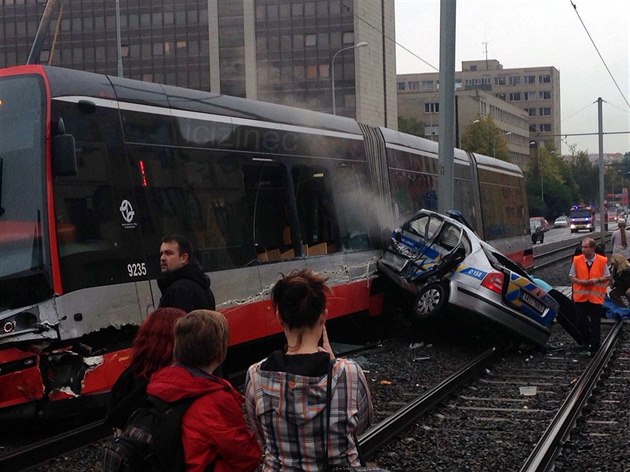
{"x":214,"y":433}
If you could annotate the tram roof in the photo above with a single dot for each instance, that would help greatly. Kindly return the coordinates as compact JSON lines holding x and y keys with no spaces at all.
{"x":70,"y":82}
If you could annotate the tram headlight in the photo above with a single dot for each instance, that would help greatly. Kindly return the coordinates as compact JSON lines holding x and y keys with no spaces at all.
{"x":8,"y":327}
{"x":19,"y":322}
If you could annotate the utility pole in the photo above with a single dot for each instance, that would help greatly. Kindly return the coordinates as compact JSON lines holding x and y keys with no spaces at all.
{"x":42,"y":31}
{"x":600,"y":132}
{"x":118,"y":40}
{"x":447,"y":92}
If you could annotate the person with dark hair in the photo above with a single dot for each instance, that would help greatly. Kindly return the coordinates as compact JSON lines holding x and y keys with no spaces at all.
{"x":589,"y":275}
{"x":214,"y":434}
{"x":152,"y":350}
{"x":183,"y":283}
{"x":306,"y":406}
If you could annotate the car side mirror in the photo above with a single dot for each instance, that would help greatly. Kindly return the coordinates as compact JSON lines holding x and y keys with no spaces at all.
{"x":64,"y":155}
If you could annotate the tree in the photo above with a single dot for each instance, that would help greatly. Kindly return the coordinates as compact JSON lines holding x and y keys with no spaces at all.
{"x":411,"y":125}
{"x":484,"y":137}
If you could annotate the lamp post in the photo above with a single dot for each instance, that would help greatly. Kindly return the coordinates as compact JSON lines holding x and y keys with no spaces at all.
{"x":332,"y":70}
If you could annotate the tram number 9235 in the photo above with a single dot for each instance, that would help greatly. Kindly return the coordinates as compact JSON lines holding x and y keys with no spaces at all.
{"x":137,"y":269}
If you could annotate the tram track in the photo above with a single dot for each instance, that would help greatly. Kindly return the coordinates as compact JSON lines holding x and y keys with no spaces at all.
{"x":559,"y":253}
{"x":465,"y":397}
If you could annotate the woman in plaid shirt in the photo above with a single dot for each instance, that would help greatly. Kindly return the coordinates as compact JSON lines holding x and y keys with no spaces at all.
{"x":285,"y":394}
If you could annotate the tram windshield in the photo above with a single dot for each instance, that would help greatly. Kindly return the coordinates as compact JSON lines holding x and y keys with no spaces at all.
{"x":22,"y":215}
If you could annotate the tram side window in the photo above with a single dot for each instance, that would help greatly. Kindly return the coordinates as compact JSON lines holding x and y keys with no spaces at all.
{"x":502,"y":205}
{"x":88,"y":230}
{"x":199,"y":194}
{"x":356,"y":209}
{"x":316,"y":210}
{"x":268,"y":207}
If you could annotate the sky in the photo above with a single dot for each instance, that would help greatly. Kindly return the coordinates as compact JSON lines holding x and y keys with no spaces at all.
{"x":537,"y":33}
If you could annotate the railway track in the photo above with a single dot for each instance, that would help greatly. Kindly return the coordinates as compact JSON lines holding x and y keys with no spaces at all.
{"x":562,"y":252}
{"x":438,"y":405}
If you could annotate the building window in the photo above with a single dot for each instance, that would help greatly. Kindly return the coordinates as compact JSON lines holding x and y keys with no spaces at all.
{"x":427,"y":85}
{"x":544,"y":79}
{"x":348,"y":37}
{"x":532,"y":128}
{"x":515,"y":79}
{"x":311,"y":71}
{"x":545,"y":95}
{"x":515,"y":96}
{"x":297,"y":9}
{"x":531,"y":111}
{"x":458,"y":84}
{"x":473,"y":67}
{"x":530,"y":79}
{"x":414,"y":85}
{"x":544,"y":111}
{"x":401,"y":86}
{"x":310,"y":40}
{"x":500,"y":80}
{"x":500,"y":95}
{"x":546,"y":127}
{"x":530,"y":96}
{"x":432,"y":107}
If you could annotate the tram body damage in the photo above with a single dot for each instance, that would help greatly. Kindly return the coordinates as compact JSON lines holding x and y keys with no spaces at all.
{"x":440,"y":261}
{"x":96,"y":169}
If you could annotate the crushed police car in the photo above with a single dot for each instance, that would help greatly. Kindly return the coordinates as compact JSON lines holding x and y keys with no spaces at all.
{"x":440,"y":261}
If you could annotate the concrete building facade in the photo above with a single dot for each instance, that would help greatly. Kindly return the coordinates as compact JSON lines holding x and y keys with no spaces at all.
{"x":271,"y":50}
{"x":535,"y":90}
{"x":469,"y":105}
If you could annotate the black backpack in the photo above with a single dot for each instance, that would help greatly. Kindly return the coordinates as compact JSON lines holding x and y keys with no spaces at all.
{"x":151,"y":439}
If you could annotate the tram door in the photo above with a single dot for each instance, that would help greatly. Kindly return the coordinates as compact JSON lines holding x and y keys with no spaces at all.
{"x":103,"y":267}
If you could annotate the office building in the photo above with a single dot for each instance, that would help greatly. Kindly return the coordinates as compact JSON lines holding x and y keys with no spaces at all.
{"x":536,"y":90}
{"x":279,"y":51}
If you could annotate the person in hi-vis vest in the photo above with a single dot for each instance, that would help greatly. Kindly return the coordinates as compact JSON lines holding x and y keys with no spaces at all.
{"x":589,"y":275}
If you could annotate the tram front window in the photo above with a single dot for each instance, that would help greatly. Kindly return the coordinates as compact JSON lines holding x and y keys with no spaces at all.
{"x":22,"y":213}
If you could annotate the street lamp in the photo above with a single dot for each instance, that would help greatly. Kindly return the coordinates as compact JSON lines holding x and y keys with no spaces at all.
{"x":332,"y":69}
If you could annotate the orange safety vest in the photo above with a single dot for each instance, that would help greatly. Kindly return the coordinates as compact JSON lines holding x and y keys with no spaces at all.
{"x":589,"y":293}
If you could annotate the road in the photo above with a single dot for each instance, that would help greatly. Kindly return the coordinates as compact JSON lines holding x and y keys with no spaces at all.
{"x":557,"y":237}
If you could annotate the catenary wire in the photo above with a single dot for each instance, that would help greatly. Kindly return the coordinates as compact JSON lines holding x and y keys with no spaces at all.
{"x":598,"y":53}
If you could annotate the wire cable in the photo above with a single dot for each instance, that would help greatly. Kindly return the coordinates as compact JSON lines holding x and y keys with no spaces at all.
{"x":598,"y":53}
{"x":351,"y":10}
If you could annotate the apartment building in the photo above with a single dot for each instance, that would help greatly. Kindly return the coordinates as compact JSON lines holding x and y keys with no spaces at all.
{"x":535,"y":90}
{"x":279,"y":51}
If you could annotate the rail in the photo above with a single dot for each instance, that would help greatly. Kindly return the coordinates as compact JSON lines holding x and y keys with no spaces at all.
{"x":42,"y":451}
{"x":547,"y":449}
{"x":381,"y":434}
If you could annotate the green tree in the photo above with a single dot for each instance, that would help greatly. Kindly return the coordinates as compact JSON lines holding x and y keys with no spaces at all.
{"x":586,"y":176}
{"x":411,"y":125}
{"x":484,"y":137}
{"x":550,"y":184}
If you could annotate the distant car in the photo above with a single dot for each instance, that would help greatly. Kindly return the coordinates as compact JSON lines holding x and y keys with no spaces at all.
{"x":537,"y":230}
{"x":439,"y":260}
{"x":561,"y":222}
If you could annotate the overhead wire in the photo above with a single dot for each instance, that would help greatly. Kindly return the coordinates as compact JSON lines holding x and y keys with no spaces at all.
{"x":598,"y":53}
{"x":351,"y":10}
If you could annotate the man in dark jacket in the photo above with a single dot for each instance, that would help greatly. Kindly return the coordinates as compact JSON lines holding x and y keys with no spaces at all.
{"x":183,"y":283}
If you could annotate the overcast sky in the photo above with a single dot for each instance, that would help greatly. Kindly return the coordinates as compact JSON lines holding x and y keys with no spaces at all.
{"x":537,"y":33}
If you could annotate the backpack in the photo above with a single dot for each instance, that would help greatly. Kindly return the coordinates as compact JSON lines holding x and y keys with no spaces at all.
{"x":150,"y":440}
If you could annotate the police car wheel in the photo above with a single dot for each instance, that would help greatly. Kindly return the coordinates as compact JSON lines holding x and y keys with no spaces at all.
{"x":430,"y":300}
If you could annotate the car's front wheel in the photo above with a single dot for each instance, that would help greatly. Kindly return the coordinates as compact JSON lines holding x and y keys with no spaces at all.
{"x":430,"y":300}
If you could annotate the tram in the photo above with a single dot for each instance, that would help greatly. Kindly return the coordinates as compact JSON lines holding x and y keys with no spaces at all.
{"x":95,"y":169}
